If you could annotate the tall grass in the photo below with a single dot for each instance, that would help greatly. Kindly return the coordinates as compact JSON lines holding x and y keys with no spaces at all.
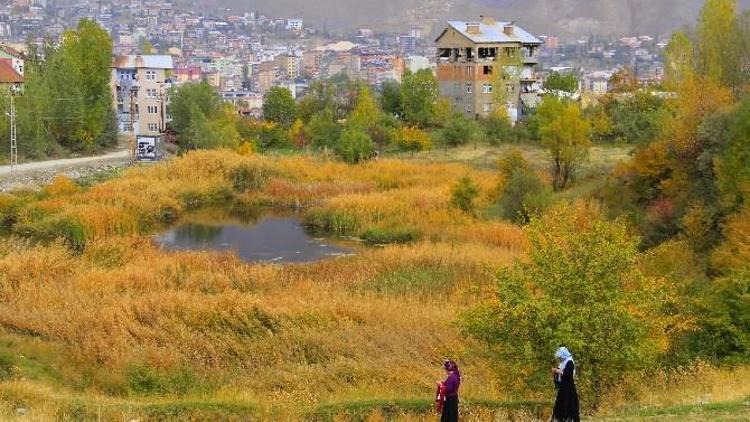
{"x":128,"y":321}
{"x":98,"y":322}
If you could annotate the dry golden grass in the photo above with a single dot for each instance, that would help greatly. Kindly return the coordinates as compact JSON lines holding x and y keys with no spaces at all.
{"x":129,"y":320}
{"x":117,"y":328}
{"x":699,"y":384}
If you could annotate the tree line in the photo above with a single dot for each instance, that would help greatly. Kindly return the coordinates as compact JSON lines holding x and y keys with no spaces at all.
{"x":66,"y":103}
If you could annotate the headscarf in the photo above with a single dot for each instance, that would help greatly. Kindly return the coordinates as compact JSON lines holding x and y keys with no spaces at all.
{"x":450,"y":366}
{"x":565,"y":356}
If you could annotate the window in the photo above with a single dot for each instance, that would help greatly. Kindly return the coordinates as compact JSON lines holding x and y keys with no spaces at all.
{"x":152,"y":109}
{"x":487,"y":88}
{"x":150,"y":75}
{"x":487,"y":53}
{"x":153,"y":127}
{"x":487,"y":70}
{"x":468,"y":108}
{"x":469,"y":88}
{"x":151,"y":93}
{"x":487,"y":107}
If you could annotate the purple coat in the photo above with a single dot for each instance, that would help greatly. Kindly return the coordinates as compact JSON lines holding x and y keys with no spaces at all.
{"x":452,"y":383}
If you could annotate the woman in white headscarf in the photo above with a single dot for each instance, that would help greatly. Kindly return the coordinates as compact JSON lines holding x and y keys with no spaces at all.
{"x":566,"y":405}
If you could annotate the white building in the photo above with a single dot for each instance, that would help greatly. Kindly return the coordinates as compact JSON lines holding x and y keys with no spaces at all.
{"x":294,"y":25}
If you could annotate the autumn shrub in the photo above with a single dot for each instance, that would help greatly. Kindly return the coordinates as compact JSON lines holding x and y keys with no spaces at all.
{"x":523,"y":195}
{"x":50,"y":229}
{"x":249,"y":177}
{"x":464,"y":193}
{"x":412,"y":139}
{"x":578,"y":281}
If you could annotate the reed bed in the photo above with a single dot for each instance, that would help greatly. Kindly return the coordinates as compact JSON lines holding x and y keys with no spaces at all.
{"x":127,"y":321}
{"x":98,"y":322}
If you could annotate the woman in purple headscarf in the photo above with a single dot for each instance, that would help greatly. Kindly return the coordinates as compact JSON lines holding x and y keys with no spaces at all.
{"x":452,"y":384}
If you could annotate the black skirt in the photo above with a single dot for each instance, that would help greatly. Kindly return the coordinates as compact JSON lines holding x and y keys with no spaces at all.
{"x":450,"y":410}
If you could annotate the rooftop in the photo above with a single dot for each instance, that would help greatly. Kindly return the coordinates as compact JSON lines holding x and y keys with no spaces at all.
{"x":151,"y":61}
{"x":8,"y":75}
{"x":488,"y":31}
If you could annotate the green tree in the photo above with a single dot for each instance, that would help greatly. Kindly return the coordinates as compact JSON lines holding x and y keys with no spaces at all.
{"x":366,"y":113}
{"x":731,"y":164}
{"x":354,"y":145}
{"x":279,"y":107}
{"x":390,"y":98}
{"x":219,"y":131}
{"x":580,"y":287}
{"x":190,"y":98}
{"x":201,"y":119}
{"x":497,"y":129}
{"x":564,"y":133}
{"x":322,"y":130}
{"x":636,"y":119}
{"x":716,"y":24}
{"x":89,"y":50}
{"x":464,"y":193}
{"x":679,"y":59}
{"x":419,"y":92}
{"x":522,"y":191}
{"x":556,"y":81}
{"x":67,"y":102}
{"x":459,"y":130}
{"x":320,"y":97}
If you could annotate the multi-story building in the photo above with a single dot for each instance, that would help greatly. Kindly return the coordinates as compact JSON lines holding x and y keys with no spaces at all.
{"x":139,"y":87}
{"x":468,"y":54}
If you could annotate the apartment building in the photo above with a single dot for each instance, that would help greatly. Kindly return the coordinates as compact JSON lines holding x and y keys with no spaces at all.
{"x":467,"y":54}
{"x":139,"y":86}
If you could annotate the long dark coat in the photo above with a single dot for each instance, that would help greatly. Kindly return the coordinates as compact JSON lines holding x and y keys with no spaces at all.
{"x":566,"y":405}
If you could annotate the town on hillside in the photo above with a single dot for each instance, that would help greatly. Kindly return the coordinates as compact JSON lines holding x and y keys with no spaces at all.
{"x":244,"y":53}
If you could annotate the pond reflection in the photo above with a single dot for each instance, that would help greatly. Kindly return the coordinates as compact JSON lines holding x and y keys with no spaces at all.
{"x":254,"y":238}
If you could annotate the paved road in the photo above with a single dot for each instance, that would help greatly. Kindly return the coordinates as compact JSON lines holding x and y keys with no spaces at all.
{"x":26,"y":168}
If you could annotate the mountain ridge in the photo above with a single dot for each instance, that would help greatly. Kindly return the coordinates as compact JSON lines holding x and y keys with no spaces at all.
{"x":561,"y":17}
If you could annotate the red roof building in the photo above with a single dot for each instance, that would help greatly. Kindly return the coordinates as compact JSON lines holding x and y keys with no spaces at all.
{"x":8,"y":75}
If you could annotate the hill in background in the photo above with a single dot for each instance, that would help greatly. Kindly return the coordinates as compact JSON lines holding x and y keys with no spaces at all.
{"x":564,"y":17}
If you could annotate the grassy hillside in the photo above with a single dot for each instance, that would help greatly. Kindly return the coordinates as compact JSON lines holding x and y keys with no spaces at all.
{"x":101,"y":324}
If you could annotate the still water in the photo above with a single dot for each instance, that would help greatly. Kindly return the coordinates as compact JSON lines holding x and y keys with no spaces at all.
{"x":262,"y":238}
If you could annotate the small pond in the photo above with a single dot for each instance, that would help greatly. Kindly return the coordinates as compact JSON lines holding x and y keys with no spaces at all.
{"x":265,"y":236}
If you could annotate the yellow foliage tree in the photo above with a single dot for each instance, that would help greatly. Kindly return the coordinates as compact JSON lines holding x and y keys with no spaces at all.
{"x":413,"y":139}
{"x":565,"y":133}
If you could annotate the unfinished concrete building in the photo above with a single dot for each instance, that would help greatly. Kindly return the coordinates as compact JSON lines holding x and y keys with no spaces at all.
{"x":467,"y":57}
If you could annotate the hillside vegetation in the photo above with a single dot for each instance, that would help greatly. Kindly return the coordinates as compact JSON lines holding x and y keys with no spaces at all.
{"x":101,"y":323}
{"x":105,"y":312}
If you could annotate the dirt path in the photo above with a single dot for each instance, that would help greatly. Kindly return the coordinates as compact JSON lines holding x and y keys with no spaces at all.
{"x":25,"y":168}
{"x":34,"y":174}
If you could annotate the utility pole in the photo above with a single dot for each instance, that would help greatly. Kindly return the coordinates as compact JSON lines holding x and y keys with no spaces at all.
{"x":133,"y":107}
{"x":13,"y":140}
{"x":162,"y":123}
